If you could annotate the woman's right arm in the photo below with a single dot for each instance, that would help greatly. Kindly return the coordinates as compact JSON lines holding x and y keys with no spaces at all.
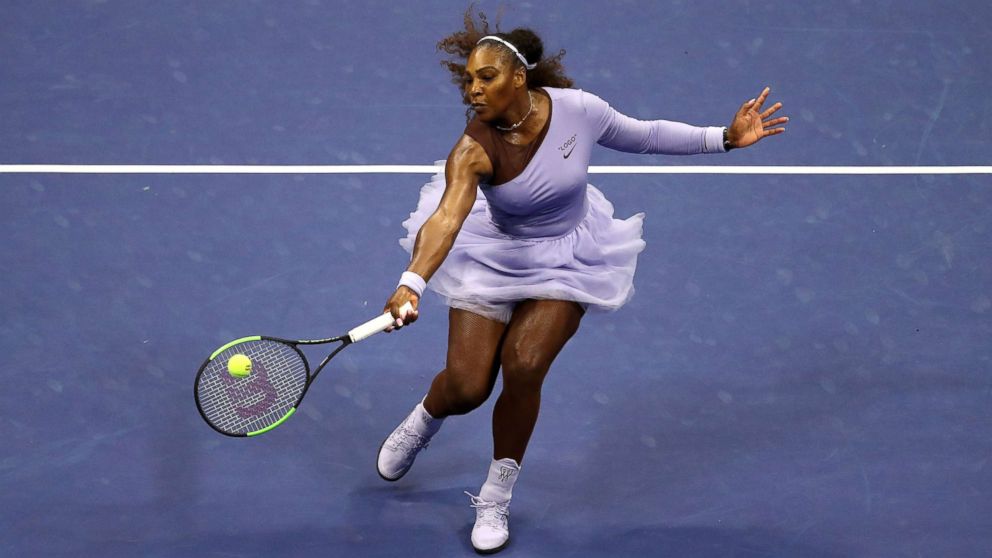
{"x":466,"y":167}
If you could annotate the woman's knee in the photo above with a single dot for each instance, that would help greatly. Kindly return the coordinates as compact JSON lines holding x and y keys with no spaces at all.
{"x":524,"y":370}
{"x":464,"y":395}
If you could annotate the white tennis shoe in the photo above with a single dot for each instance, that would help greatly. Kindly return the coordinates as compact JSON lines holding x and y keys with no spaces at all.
{"x":398,"y":451}
{"x":491,"y":532}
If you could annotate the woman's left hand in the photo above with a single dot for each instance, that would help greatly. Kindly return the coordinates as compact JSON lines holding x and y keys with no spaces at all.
{"x":752,"y":124}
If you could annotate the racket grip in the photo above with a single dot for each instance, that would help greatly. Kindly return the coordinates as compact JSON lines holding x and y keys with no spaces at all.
{"x":376,"y":325}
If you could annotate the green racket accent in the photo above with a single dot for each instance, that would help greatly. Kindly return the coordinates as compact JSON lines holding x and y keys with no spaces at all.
{"x":233,"y":343}
{"x":277,"y":423}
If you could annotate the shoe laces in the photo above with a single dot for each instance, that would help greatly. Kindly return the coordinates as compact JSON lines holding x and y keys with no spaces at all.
{"x":491,"y":514}
{"x":407,"y":439}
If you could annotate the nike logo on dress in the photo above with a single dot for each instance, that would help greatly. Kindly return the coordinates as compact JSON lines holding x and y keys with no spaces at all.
{"x":569,"y":145}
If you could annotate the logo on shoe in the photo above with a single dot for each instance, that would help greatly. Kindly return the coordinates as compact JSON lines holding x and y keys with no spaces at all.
{"x":505,"y":473}
{"x":569,"y":146}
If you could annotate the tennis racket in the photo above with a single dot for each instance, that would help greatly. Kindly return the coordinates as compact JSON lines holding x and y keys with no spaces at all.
{"x":271,"y":392}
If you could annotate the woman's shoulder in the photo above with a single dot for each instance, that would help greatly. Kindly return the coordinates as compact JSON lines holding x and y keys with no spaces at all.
{"x":477,"y":127}
{"x":576,"y":98}
{"x":557,"y":93}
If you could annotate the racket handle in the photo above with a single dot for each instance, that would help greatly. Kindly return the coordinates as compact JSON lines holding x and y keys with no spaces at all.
{"x":376,"y":325}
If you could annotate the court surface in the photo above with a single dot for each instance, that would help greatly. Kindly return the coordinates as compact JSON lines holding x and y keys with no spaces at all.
{"x":804,"y":370}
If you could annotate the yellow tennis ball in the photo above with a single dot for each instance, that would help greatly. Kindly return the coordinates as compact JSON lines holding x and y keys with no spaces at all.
{"x":239,"y":366}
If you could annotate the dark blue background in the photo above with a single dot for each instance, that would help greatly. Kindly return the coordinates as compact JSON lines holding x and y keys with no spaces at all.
{"x":804,"y":371}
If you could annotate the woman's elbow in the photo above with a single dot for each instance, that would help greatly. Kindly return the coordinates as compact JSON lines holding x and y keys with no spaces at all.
{"x":445,"y":224}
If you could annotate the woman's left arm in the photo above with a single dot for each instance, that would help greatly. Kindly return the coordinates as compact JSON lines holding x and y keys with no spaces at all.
{"x":623,"y":133}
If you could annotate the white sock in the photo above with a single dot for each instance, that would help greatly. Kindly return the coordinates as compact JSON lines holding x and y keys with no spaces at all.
{"x":499,"y":485}
{"x":424,"y":423}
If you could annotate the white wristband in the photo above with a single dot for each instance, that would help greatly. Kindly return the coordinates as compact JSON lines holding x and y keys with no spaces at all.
{"x":413,"y":282}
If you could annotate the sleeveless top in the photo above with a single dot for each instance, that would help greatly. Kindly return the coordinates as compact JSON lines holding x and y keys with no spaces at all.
{"x":538,"y":190}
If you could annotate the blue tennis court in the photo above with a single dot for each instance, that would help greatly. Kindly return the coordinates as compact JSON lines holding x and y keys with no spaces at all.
{"x":804,"y":370}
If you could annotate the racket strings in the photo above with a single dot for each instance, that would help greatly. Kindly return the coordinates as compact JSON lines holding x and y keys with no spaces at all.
{"x":242,"y":405}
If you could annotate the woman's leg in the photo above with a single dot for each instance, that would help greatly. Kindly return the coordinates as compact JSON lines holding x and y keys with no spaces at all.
{"x":534,"y":337}
{"x":471,"y":366}
{"x":536,"y":334}
{"x":464,"y":384}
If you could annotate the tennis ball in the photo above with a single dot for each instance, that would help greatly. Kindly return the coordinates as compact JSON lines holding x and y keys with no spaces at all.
{"x":239,"y":366}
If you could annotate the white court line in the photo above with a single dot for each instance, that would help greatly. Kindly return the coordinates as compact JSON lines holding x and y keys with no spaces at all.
{"x":431,"y":169}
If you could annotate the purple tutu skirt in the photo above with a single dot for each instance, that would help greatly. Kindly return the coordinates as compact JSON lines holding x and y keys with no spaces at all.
{"x":488,"y":272}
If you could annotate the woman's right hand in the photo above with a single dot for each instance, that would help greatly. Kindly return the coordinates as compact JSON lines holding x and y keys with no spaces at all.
{"x":402,"y":296}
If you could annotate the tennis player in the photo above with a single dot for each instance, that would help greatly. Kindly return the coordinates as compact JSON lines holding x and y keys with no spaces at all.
{"x":519,"y":246}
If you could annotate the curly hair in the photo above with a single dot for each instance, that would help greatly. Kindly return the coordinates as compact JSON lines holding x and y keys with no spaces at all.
{"x":549,"y":71}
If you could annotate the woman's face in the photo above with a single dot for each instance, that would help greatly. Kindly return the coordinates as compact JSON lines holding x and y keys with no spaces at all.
{"x":491,"y":82}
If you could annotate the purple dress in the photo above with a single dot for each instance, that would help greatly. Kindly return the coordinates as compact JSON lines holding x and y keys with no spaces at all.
{"x":547,"y":234}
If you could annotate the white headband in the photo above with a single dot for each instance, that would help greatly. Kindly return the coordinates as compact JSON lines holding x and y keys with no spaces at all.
{"x":511,"y":47}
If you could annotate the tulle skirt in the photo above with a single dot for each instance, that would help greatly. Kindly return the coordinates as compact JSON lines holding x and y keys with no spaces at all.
{"x":488,"y":272}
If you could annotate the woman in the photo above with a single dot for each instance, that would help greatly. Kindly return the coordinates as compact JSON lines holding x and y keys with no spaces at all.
{"x":526,"y":245}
